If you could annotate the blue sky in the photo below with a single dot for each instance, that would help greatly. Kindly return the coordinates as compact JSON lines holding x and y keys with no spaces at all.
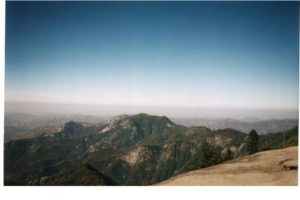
{"x":180,"y":54}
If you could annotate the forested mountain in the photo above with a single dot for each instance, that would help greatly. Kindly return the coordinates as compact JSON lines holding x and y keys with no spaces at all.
{"x":128,"y":150}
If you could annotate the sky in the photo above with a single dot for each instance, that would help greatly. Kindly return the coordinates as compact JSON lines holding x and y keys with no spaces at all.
{"x":212,"y":55}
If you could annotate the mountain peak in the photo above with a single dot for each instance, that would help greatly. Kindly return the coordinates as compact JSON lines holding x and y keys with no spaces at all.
{"x":73,"y":129}
{"x":71,"y":126}
{"x":150,"y":117}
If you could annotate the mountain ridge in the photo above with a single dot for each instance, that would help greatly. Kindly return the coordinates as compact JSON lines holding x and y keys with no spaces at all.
{"x":261,"y":126}
{"x":19,"y":126}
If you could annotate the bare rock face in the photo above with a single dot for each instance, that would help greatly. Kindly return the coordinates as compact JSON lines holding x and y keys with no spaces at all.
{"x":290,"y":165}
{"x":135,"y":156}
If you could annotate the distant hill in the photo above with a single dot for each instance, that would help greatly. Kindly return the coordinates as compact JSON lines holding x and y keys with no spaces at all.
{"x":128,"y":150}
{"x":244,"y":125}
{"x":275,"y":167}
{"x":21,"y":126}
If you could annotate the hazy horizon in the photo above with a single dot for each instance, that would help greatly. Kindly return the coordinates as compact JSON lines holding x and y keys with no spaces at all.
{"x":172,"y":112}
{"x":190,"y":59}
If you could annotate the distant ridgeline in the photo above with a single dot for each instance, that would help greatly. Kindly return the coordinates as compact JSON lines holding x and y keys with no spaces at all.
{"x":244,"y":125}
{"x":129,"y":150}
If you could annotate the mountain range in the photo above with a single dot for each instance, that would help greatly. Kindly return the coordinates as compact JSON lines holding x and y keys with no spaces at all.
{"x":21,"y":125}
{"x":245,"y":125}
{"x":127,"y":150}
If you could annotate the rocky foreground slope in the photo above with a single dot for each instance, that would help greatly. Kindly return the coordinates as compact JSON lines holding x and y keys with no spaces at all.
{"x":274,"y":167}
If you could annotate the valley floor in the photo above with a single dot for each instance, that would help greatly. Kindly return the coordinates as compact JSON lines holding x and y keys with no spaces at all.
{"x":274,"y":167}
